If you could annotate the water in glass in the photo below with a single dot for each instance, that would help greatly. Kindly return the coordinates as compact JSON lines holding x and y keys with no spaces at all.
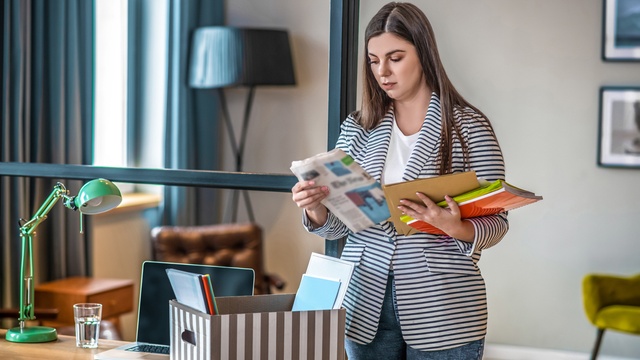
{"x":87,"y":331}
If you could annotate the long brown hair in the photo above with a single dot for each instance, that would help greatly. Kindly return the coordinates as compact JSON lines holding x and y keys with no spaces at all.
{"x":408,"y":22}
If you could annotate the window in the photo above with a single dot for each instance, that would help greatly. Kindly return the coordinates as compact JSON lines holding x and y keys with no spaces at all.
{"x":110,"y":124}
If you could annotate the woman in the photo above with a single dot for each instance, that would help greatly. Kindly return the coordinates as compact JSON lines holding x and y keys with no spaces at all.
{"x":420,"y":296}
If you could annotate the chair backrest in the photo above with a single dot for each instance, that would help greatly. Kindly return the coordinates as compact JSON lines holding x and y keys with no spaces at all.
{"x":235,"y":245}
{"x":602,"y":290}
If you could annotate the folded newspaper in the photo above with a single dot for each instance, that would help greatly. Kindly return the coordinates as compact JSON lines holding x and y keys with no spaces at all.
{"x":354,"y":196}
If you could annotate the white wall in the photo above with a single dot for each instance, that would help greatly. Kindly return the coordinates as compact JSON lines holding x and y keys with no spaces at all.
{"x":287,"y":123}
{"x":534,"y":68}
{"x":111,"y":234}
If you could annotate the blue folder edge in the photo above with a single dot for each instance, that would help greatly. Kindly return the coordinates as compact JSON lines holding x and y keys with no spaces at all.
{"x":315,"y":293}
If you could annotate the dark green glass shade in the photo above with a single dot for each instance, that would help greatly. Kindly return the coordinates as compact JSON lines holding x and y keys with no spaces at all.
{"x":97,"y":196}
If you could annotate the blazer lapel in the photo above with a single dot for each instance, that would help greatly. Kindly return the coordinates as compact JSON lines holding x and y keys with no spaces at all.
{"x":427,"y":143}
{"x":374,"y":155}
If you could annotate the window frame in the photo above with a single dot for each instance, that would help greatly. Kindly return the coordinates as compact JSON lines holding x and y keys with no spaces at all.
{"x":344,"y":16}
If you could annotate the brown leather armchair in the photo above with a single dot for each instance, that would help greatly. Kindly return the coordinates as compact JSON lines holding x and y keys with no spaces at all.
{"x":236,"y":245}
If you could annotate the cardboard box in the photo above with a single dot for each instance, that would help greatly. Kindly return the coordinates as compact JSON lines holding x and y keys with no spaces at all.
{"x":256,"y":327}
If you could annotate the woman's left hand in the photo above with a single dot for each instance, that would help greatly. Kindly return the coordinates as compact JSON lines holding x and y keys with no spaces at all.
{"x":445,"y":219}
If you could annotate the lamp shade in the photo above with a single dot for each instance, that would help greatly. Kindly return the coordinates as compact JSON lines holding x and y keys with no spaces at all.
{"x":223,"y":56}
{"x":97,"y":196}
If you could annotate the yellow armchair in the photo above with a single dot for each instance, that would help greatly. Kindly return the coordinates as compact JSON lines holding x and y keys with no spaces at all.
{"x":612,"y":302}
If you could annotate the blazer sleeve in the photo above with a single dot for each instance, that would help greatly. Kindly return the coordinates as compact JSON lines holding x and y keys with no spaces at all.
{"x":332,"y":229}
{"x":485,"y":158}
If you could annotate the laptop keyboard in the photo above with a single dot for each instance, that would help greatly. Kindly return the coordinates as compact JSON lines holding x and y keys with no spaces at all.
{"x":150,"y":348}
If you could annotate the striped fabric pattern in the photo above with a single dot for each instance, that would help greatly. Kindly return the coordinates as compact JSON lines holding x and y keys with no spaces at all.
{"x":277,"y":335}
{"x":440,"y":292}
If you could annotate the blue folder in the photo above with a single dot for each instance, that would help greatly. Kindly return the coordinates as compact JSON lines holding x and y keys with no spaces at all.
{"x":315,"y":293}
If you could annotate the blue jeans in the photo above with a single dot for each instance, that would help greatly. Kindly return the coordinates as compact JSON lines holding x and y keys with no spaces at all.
{"x":389,"y":344}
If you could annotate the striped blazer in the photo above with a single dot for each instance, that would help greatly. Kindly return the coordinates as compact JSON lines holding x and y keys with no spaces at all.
{"x":440,"y":293}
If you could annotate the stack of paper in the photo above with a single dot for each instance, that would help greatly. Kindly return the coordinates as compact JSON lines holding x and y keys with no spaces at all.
{"x":193,"y":290}
{"x":324,"y":284}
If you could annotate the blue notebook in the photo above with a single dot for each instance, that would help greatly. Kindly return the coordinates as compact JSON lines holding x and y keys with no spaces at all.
{"x":315,"y":293}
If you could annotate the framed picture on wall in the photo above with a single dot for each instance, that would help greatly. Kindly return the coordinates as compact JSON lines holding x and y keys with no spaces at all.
{"x":619,"y":142}
{"x":621,"y":30}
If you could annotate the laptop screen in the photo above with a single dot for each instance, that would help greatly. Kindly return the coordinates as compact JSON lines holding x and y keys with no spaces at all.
{"x":156,"y":291}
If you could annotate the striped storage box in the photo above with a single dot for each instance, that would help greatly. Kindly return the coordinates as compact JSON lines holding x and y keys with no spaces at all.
{"x":256,"y":327}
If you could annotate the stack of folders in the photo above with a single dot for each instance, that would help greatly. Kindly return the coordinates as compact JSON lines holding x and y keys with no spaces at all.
{"x":193,"y":290}
{"x":324,"y":284}
{"x":475,"y":197}
{"x":488,"y":199}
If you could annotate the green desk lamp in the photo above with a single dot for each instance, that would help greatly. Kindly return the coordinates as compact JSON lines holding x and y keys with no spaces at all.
{"x":94,"y":197}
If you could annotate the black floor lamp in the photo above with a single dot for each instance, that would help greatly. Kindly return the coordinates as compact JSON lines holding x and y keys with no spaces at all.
{"x":224,"y":56}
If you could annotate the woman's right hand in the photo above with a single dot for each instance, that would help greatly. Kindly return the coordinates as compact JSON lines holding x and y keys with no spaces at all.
{"x":308,"y":196}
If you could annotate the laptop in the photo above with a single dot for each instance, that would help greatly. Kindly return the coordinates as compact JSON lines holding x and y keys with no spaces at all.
{"x":152,"y":335}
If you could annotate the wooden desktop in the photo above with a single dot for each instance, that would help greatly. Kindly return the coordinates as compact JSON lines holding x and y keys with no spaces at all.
{"x":62,"y":349}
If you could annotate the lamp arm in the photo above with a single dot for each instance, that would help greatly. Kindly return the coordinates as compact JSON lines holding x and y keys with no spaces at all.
{"x":26,"y":271}
{"x":58,"y":191}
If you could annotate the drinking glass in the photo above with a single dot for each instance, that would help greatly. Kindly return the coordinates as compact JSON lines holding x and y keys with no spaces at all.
{"x":87,"y":317}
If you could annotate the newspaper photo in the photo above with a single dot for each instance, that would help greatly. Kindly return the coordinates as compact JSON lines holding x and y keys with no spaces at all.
{"x":354,"y":196}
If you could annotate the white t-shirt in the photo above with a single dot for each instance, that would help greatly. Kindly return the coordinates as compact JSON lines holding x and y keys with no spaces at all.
{"x":400,"y":149}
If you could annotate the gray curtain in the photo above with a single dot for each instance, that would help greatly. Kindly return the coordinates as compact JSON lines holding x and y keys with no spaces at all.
{"x":46,"y":94}
{"x":191,"y":116}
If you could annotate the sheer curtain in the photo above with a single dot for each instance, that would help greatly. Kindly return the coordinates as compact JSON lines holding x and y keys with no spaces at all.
{"x":46,"y":56}
{"x":189,"y":117}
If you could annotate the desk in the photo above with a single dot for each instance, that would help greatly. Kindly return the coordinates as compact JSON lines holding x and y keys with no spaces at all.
{"x":115,"y":295}
{"x":62,"y":349}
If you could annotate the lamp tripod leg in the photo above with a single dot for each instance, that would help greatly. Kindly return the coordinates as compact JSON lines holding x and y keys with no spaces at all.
{"x":235,"y":197}
{"x":247,"y":204}
{"x":238,"y":151}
